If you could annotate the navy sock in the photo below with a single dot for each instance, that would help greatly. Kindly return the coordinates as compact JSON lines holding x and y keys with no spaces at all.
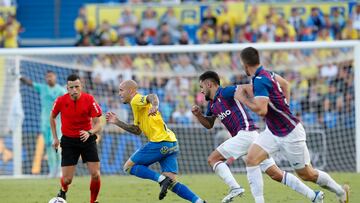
{"x":144,"y":172}
{"x":184,"y":192}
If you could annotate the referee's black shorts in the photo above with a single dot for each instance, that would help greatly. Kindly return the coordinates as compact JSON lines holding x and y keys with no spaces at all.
{"x":72,"y":148}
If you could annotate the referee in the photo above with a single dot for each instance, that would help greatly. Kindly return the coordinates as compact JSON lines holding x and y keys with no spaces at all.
{"x":80,"y":123}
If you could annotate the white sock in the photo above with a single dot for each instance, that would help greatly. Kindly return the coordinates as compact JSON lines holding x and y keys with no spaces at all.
{"x":161,"y":178}
{"x":223,"y":171}
{"x":199,"y":200}
{"x":296,"y":184}
{"x":325,"y":181}
{"x":256,"y":182}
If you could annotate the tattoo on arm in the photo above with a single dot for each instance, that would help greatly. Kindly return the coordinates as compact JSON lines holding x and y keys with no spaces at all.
{"x":153,"y":99}
{"x":129,"y":127}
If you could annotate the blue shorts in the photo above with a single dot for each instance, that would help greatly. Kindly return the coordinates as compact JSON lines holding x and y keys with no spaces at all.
{"x":163,"y":152}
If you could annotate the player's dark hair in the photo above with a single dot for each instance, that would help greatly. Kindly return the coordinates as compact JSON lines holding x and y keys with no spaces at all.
{"x":73,"y":77}
{"x":211,"y":75}
{"x":250,"y":56}
{"x":50,"y":71}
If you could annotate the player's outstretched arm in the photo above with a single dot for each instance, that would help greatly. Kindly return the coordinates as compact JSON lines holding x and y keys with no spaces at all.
{"x":112,"y":118}
{"x":245,"y":88}
{"x":154,"y":101}
{"x":206,"y":121}
{"x":285,"y":86}
{"x":26,"y":81}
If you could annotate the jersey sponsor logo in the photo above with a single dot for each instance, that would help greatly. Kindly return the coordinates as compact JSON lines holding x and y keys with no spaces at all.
{"x":223,"y":115}
{"x":142,"y":100}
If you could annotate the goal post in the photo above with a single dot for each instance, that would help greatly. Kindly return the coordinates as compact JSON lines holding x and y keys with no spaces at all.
{"x":333,"y":136}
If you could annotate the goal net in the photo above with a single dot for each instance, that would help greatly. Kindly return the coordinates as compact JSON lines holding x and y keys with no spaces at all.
{"x":322,"y":77}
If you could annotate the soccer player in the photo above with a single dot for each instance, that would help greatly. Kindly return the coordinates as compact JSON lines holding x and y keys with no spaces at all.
{"x":48,"y":93}
{"x":239,"y":123}
{"x":162,"y":146}
{"x":79,"y":125}
{"x":268,"y":96}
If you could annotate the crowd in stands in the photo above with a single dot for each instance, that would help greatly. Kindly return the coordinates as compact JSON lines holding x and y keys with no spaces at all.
{"x":322,"y":82}
{"x":167,"y":29}
{"x":9,"y":31}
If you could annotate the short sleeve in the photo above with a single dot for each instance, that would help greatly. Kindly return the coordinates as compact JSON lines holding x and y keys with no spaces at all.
{"x":261,"y":86}
{"x":56,"y":106}
{"x":228,"y":92}
{"x":37,"y":86}
{"x":95,"y":110}
{"x":139,"y":100}
{"x":208,"y":111}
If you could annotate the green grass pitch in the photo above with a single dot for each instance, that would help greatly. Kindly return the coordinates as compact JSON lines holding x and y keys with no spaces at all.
{"x":129,"y":189}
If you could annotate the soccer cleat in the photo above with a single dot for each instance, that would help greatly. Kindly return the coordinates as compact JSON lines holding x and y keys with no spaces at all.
{"x":62,"y":194}
{"x":96,"y":201}
{"x":319,"y":197}
{"x":345,"y":197}
{"x":233,"y":193}
{"x":165,"y":185}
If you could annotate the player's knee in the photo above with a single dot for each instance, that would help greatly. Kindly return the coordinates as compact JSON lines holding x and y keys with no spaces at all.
{"x":67,"y":180}
{"x":95,"y":175}
{"x":251,"y":161}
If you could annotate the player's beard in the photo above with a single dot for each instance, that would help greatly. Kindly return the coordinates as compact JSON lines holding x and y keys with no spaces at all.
{"x":207,"y":97}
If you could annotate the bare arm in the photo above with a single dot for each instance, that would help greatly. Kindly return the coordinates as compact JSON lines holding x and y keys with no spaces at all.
{"x":285,"y":86}
{"x":206,"y":121}
{"x":26,"y":81}
{"x":259,"y":105}
{"x":96,"y":126}
{"x":53,"y":131}
{"x":112,"y":118}
{"x":154,"y":101}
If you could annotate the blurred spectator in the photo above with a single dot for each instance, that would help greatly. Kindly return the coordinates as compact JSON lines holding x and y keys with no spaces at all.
{"x":11,"y":32}
{"x":329,"y":71}
{"x":227,"y":18}
{"x":209,"y":18}
{"x":170,"y":19}
{"x":225,"y":34}
{"x":182,"y":115}
{"x":165,"y":39}
{"x":165,"y":29}
{"x":337,"y":22}
{"x":128,"y":23}
{"x":324,"y":35}
{"x":184,"y":65}
{"x":106,"y":35}
{"x":315,"y":21}
{"x":284,"y":31}
{"x":143,"y":39}
{"x":295,"y":20}
{"x":184,"y":38}
{"x":149,"y":23}
{"x":355,"y":17}
{"x":84,"y":24}
{"x":349,"y":32}
{"x":143,"y":62}
{"x":267,"y":30}
{"x":241,"y":37}
{"x":210,"y":34}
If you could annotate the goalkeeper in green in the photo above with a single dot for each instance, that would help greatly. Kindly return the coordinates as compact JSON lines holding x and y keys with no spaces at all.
{"x":48,"y":93}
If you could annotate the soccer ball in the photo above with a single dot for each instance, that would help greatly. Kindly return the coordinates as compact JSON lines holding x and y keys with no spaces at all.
{"x":57,"y":200}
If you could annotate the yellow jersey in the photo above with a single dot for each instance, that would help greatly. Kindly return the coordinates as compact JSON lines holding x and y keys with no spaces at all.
{"x":153,"y":127}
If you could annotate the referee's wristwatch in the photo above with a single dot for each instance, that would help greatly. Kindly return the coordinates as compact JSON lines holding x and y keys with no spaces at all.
{"x":90,"y":133}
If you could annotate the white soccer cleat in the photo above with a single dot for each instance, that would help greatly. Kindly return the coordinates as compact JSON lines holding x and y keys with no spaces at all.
{"x":345,"y":197}
{"x":319,"y":198}
{"x":233,"y":193}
